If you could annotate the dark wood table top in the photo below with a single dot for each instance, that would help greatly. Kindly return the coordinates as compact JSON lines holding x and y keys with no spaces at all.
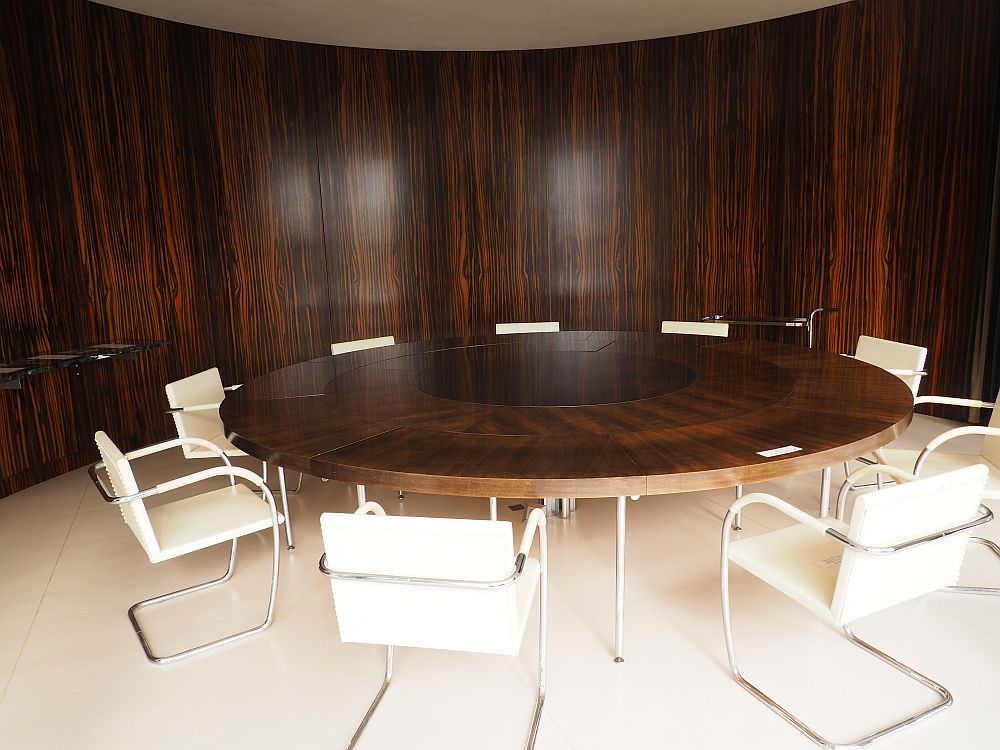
{"x":570,"y":414}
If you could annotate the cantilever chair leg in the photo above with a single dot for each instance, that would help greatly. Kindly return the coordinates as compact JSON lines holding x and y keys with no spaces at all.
{"x":378,"y":698}
{"x":989,"y":590}
{"x":134,"y":609}
{"x":543,"y":630}
{"x":946,"y":699}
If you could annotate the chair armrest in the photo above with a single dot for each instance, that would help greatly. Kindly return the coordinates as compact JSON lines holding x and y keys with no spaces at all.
{"x":217,"y":471}
{"x":108,"y":492}
{"x":232,"y":387}
{"x":985,"y":516}
{"x":944,"y":437}
{"x":535,"y":519}
{"x":904,"y":373}
{"x":193,"y":407}
{"x":176,"y":443}
{"x":863,"y":473}
{"x":949,"y":401}
{"x":777,"y":503}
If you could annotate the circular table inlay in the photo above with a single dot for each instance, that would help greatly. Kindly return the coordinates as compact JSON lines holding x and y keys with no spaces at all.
{"x":509,"y":376}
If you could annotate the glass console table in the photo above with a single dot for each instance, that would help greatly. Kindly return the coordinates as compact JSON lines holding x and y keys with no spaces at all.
{"x":804,"y":322}
{"x":12,"y":373}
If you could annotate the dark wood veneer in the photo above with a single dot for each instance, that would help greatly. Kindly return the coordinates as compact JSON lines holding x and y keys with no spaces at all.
{"x":373,"y":423}
{"x":252,"y":200}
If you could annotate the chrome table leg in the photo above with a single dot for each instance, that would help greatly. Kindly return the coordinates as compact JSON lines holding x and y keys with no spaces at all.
{"x":620,"y":578}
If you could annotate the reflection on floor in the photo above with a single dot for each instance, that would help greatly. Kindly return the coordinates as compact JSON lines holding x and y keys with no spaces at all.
{"x":73,"y":674}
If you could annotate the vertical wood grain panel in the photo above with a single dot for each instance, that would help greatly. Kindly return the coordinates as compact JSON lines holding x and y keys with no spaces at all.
{"x":253,"y":200}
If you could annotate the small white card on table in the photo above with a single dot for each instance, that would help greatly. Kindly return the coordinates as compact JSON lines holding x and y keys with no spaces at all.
{"x":779,"y":451}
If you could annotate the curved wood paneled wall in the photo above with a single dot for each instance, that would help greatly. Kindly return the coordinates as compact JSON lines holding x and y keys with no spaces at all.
{"x":253,"y":200}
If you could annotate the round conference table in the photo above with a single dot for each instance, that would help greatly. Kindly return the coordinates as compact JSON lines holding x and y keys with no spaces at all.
{"x":569,"y":414}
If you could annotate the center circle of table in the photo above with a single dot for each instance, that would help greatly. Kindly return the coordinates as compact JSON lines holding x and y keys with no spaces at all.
{"x":568,"y":414}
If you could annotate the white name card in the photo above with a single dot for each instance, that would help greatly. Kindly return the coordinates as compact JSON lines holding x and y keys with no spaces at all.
{"x":779,"y":451}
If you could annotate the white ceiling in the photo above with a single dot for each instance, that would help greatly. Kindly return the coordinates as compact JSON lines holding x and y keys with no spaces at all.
{"x":467,"y":24}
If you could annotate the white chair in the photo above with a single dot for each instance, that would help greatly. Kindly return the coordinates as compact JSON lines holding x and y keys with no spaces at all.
{"x":903,"y":541}
{"x":905,"y":361}
{"x":695,"y":328}
{"x":439,"y":583}
{"x":188,"y":525}
{"x":930,"y":460}
{"x":344,"y":347}
{"x":563,"y":506}
{"x":194,"y":405}
{"x":550,"y":326}
{"x":358,"y":345}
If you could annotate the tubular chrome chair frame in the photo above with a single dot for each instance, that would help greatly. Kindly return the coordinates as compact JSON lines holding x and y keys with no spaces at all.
{"x":536,"y":523}
{"x":173,"y":411}
{"x":946,"y":698}
{"x":220,"y":471}
{"x":865,"y":471}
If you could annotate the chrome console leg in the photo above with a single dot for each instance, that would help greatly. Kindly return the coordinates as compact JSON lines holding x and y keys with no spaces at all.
{"x":284,"y":505}
{"x":727,"y":624}
{"x":361,"y":495}
{"x":493,"y":509}
{"x":378,"y":698}
{"x":824,"y":493}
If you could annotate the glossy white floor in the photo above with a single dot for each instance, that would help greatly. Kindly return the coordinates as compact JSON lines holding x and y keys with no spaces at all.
{"x":74,"y":676}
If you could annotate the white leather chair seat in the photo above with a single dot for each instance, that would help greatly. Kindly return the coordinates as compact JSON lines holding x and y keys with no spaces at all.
{"x":939,"y":462}
{"x":798,"y":561}
{"x":209,"y":518}
{"x":224,"y":445}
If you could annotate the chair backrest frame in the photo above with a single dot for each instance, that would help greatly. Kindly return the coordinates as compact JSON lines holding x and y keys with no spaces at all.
{"x":893,"y":355}
{"x":463,"y":616}
{"x":203,"y":387}
{"x":119,"y":471}
{"x":867,"y":583}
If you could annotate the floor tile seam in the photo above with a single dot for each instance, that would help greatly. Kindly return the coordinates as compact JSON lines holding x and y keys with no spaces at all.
{"x":961,"y":620}
{"x":41,"y":599}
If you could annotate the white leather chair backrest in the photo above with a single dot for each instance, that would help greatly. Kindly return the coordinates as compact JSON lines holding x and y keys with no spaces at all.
{"x":343,"y":347}
{"x":991,"y":444}
{"x":426,"y":616}
{"x":201,"y":388}
{"x":123,"y":482}
{"x":544,"y":327}
{"x":699,"y":328}
{"x":868,"y":583}
{"x":893,"y":355}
